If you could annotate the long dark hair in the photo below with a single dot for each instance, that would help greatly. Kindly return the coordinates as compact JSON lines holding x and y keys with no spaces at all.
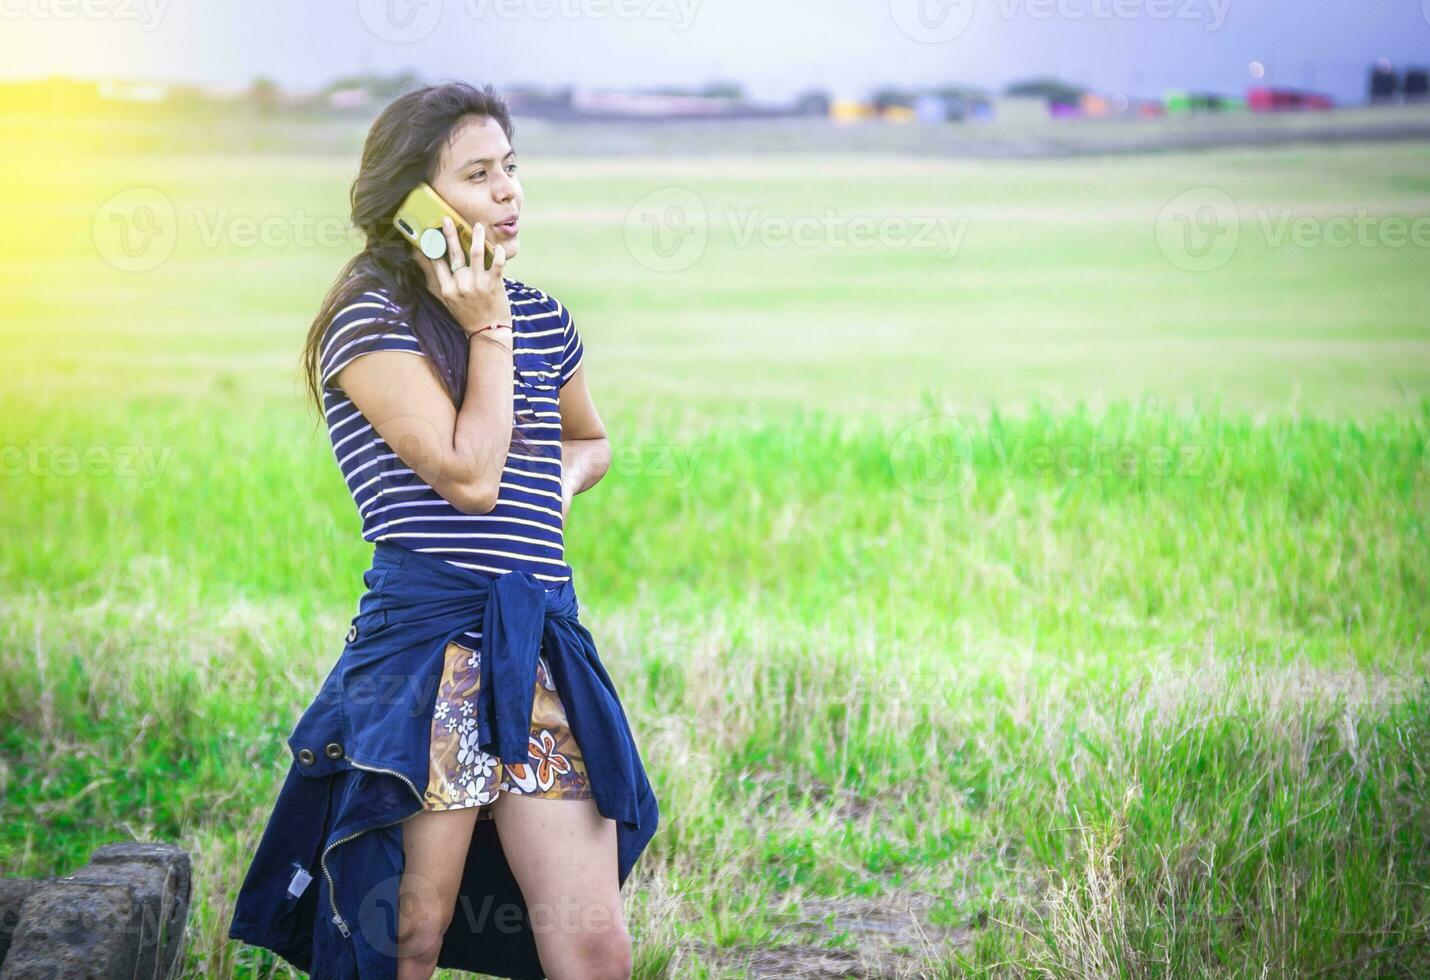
{"x":401,"y":151}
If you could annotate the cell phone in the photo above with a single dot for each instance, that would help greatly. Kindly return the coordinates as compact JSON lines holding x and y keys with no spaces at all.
{"x":419,"y":220}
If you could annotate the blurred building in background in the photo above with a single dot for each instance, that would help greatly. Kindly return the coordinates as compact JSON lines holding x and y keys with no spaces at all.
{"x":1035,"y":101}
{"x":1270,"y":99}
{"x":1388,"y":86}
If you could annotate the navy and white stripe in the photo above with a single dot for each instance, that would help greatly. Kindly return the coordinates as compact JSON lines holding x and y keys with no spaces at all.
{"x":524,"y":531}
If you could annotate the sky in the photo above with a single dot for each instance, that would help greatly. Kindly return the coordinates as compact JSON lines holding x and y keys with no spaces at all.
{"x":775,"y":48}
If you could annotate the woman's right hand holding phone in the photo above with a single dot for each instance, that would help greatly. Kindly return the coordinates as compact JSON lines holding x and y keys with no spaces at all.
{"x":476,"y":296}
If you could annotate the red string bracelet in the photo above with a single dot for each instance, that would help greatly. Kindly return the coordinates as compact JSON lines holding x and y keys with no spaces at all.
{"x":489,"y":326}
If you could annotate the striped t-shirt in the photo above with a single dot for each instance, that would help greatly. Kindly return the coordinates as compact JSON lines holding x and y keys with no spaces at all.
{"x":523,"y":532}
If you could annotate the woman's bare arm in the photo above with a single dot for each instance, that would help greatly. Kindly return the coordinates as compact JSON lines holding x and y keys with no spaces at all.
{"x":585,"y":448}
{"x":458,"y":454}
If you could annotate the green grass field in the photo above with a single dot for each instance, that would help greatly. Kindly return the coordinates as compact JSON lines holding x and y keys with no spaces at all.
{"x":1032,"y":606}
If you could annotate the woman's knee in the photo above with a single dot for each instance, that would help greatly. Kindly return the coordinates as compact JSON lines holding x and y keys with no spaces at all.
{"x":435,"y":848}
{"x":605,"y":956}
{"x":423,"y":921}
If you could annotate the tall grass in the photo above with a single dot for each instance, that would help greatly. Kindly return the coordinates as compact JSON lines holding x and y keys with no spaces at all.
{"x":1127,"y":722}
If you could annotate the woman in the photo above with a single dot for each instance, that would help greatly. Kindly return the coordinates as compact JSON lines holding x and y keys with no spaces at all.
{"x":467,"y":512}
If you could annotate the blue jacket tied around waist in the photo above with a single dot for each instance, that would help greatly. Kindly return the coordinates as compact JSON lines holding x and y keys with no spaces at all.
{"x":322,"y":890}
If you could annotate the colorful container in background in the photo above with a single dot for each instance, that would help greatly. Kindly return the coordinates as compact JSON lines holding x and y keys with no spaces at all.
{"x":1286,"y":99}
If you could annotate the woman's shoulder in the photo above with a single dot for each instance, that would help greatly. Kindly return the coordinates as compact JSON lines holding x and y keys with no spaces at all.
{"x":518,"y":291}
{"x":364,"y":305}
{"x":365,"y":320}
{"x":536,"y":303}
{"x":363,"y":298}
{"x":358,"y":299}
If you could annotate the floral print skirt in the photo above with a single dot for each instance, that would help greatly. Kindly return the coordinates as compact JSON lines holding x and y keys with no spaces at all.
{"x":461,"y":775}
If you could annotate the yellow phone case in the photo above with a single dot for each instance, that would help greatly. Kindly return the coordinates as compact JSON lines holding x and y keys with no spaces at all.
{"x":422,"y":212}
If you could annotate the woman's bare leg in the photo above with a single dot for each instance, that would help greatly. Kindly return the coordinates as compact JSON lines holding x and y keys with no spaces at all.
{"x":434,"y":845}
{"x":563,"y":854}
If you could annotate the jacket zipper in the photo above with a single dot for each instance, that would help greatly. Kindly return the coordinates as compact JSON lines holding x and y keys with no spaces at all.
{"x":338,"y":919}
